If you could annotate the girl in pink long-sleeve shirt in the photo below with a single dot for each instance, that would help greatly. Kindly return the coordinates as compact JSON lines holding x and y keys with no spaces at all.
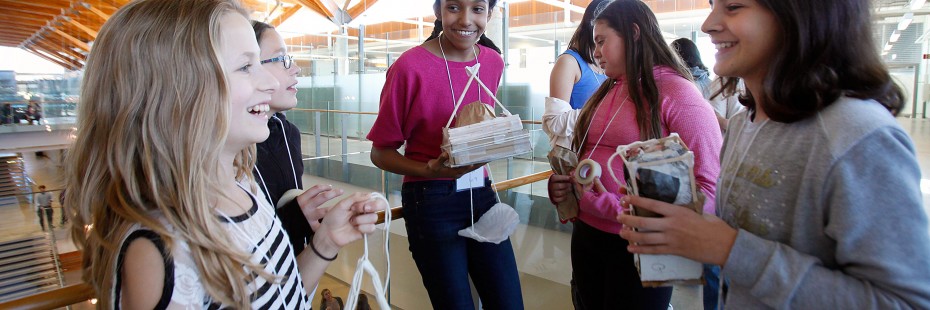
{"x":648,"y":95}
{"x":416,"y":102}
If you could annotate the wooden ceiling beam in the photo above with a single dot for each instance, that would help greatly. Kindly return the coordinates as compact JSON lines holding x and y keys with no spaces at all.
{"x":97,"y":12}
{"x":277,"y":21}
{"x":30,"y":18}
{"x":74,"y":32}
{"x":64,"y":49}
{"x":329,"y":6}
{"x":92,"y":33}
{"x":29,"y":10}
{"x":48,"y":4}
{"x":78,"y":43}
{"x":17,"y":28}
{"x":44,"y":54}
{"x":51,"y":52}
{"x":360,"y":8}
{"x":313,"y":6}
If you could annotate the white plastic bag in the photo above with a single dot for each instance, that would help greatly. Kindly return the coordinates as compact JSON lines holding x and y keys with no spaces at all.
{"x":494,"y":226}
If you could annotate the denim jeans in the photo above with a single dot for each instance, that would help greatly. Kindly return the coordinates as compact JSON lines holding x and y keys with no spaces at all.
{"x":711,"y":286}
{"x":49,"y":213}
{"x":434,"y":213}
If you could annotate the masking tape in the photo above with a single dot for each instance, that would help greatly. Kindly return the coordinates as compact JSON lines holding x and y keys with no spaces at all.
{"x":587,"y":171}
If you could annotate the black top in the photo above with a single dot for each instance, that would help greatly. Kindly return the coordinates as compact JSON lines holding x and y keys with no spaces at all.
{"x":277,"y":177}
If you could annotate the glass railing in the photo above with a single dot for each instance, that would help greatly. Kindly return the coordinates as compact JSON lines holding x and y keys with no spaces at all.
{"x":336,"y":152}
{"x":20,"y":116}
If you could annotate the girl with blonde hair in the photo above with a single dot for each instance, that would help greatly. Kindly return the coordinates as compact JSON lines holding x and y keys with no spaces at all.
{"x":159,"y":181}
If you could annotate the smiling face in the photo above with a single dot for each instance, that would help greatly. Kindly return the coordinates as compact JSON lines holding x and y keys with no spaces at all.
{"x":285,"y":95}
{"x":746,"y":36}
{"x":250,"y":85}
{"x":609,"y":50}
{"x":463,"y":22}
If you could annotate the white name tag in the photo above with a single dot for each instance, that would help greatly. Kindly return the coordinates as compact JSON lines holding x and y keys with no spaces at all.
{"x":470,"y":180}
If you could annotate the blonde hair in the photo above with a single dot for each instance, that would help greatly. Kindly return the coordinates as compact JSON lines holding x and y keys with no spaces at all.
{"x":151,"y":124}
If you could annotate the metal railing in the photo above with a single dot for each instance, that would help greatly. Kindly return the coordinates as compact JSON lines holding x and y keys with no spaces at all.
{"x":81,"y":292}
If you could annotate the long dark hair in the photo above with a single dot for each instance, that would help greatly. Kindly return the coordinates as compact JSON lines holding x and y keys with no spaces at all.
{"x":642,"y":55}
{"x":259,"y":28}
{"x":822,"y":56}
{"x":689,"y":53}
{"x":582,"y":41}
{"x":484,"y":40}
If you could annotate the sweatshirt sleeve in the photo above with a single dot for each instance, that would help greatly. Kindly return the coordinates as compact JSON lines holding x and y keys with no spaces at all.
{"x":872,"y":203}
{"x":605,"y":205}
{"x":559,"y":120}
{"x":388,"y":131}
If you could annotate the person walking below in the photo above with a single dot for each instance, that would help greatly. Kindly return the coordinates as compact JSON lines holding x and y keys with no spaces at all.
{"x":43,"y":203}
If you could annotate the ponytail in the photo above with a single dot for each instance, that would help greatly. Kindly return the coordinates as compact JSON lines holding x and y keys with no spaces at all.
{"x":484,"y":40}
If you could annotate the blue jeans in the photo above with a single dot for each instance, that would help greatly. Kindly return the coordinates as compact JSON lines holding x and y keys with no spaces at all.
{"x":711,"y":286}
{"x":434,"y":213}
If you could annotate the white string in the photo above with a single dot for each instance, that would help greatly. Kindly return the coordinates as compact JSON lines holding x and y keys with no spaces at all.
{"x":290,"y":158}
{"x":365,"y":266}
{"x":449,"y":73}
{"x":262,"y":179}
{"x":591,"y":121}
{"x":245,"y":236}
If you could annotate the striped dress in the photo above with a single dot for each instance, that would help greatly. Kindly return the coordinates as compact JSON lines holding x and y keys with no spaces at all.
{"x":258,"y":231}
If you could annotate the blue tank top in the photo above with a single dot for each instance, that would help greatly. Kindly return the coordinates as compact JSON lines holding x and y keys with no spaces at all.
{"x":586,"y":85}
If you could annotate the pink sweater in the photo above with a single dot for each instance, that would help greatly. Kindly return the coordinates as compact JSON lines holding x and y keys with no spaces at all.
{"x":684,"y":111}
{"x":416,"y":100}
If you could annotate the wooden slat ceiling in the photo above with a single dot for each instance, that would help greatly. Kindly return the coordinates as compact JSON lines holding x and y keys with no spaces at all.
{"x":62,"y":31}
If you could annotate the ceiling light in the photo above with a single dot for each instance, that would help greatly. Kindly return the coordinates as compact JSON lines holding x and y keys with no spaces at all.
{"x":887,"y":47}
{"x":894,"y":37}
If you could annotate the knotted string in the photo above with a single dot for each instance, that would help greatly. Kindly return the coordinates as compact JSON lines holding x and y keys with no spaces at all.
{"x":365,"y":266}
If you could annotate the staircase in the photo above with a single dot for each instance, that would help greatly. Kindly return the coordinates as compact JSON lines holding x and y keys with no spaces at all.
{"x":27,"y":267}
{"x":13,"y":181}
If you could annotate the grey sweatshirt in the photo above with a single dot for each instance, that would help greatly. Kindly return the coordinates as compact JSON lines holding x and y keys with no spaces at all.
{"x":829,"y":212}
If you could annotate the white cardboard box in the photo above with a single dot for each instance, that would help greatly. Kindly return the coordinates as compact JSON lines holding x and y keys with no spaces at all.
{"x":487,"y":141}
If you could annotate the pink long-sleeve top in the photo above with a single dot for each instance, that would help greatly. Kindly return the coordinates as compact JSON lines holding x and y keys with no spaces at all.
{"x":684,"y":111}
{"x":416,"y":101}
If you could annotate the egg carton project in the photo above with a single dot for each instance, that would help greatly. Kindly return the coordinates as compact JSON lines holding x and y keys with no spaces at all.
{"x":663,"y":169}
{"x":489,"y":140}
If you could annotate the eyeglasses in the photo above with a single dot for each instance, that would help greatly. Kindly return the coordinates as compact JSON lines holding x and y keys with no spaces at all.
{"x":288,"y":60}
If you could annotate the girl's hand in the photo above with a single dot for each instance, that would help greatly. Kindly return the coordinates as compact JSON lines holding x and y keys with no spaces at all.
{"x":683,"y":232}
{"x":596,"y":186}
{"x":436,"y":168}
{"x":347,"y":221}
{"x":311,"y":200}
{"x":560,"y":186}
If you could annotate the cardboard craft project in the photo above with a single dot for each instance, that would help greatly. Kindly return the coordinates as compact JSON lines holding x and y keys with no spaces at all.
{"x":487,"y":140}
{"x":563,"y":161}
{"x":663,"y":169}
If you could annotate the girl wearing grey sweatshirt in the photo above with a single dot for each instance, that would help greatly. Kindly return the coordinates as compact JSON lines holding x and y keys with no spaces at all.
{"x":818,"y":197}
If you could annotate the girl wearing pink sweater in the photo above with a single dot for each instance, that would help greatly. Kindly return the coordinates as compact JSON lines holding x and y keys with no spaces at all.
{"x":416,"y":101}
{"x":647,"y":95}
